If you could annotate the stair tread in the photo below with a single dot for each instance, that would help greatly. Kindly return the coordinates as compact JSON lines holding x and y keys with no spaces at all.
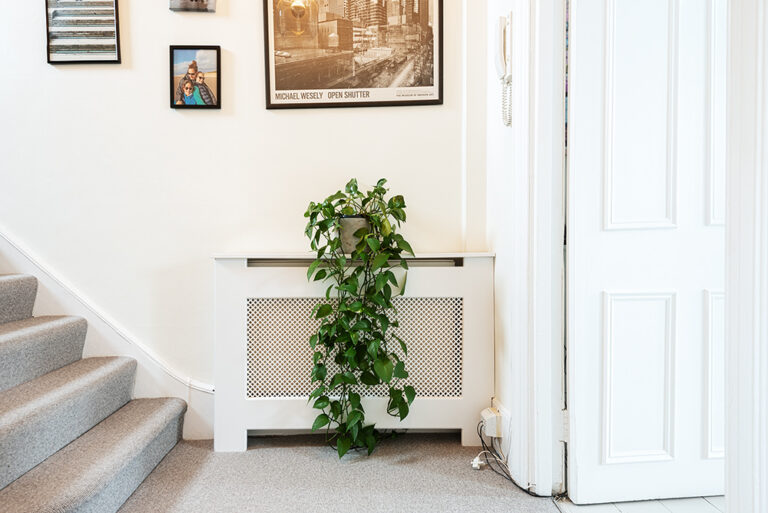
{"x":55,"y":386}
{"x":81,"y":469}
{"x":33,"y":325}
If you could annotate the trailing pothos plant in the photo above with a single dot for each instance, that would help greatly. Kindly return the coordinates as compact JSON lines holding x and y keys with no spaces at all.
{"x":352,"y":344}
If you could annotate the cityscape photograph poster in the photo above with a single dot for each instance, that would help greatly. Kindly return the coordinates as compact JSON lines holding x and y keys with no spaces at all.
{"x":341,"y":53}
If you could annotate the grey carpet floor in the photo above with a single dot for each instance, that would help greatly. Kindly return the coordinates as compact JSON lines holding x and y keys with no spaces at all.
{"x":413,"y":473}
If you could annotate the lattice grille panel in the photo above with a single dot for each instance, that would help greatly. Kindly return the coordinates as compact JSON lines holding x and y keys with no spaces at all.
{"x":280,"y":359}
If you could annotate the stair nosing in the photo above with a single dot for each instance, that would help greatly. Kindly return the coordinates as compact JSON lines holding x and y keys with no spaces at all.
{"x":45,"y":322}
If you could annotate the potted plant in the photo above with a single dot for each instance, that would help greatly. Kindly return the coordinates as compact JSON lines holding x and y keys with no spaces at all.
{"x":353,"y":348}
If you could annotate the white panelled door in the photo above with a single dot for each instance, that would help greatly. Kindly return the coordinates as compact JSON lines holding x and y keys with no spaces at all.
{"x":646,"y":249}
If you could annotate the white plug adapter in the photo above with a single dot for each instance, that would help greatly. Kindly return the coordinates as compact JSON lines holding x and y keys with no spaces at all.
{"x":491,"y":422}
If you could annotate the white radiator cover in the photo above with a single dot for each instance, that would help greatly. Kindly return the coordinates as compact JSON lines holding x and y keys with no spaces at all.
{"x":263,"y":359}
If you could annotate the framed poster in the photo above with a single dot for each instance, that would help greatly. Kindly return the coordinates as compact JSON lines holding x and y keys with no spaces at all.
{"x":195,"y":77}
{"x":192,"y":5}
{"x":353,"y":53}
{"x":83,"y":31}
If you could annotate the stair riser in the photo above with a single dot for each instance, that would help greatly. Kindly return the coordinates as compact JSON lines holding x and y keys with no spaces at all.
{"x":28,"y":356}
{"x":111,"y":498}
{"x":30,"y":441}
{"x":17,"y":298}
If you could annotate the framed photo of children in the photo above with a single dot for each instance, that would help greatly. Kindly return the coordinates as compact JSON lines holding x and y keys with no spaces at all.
{"x":82,"y":31}
{"x":353,"y":53}
{"x":195,"y":77}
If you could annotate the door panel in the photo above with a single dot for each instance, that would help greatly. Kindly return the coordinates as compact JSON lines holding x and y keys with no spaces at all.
{"x":646,"y":249}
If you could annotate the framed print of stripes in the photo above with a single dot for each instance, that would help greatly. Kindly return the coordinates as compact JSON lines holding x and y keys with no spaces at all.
{"x":82,"y":31}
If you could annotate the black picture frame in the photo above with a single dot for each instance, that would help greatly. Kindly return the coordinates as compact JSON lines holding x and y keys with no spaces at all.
{"x":175,"y":78}
{"x":300,"y":98}
{"x":89,"y":28}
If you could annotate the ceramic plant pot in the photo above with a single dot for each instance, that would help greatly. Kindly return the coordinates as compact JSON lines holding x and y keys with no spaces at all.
{"x":349,"y":225}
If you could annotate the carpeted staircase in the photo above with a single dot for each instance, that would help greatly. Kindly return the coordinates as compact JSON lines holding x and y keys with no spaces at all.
{"x":71,"y":438}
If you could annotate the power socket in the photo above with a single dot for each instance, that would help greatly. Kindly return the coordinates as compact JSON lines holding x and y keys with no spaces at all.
{"x":491,"y":422}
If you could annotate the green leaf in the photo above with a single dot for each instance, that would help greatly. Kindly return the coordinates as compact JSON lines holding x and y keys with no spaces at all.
{"x":355,"y":306}
{"x":362,"y":325}
{"x":319,"y":372}
{"x":402,"y":408}
{"x":317,"y":392}
{"x":353,"y":431}
{"x":373,"y":348}
{"x":316,"y":356}
{"x":384,"y":322}
{"x":400,"y":371}
{"x":404,"y":245}
{"x":402,"y":344}
{"x":349,"y":378}
{"x":351,"y":186}
{"x":322,"y":402}
{"x":324,"y":311}
{"x":321,"y":274}
{"x":369,"y":379}
{"x":337,"y":380}
{"x":312,"y":268}
{"x":313,"y":342}
{"x":343,"y":444}
{"x":373,"y":243}
{"x":386,"y":228}
{"x":384,"y":369}
{"x":320,"y":421}
{"x":381,"y":280}
{"x":410,"y":393}
{"x":370,"y":441}
{"x":336,"y":409}
{"x":379,"y":300}
{"x":379,"y":261}
{"x":392,"y":278}
{"x":353,"y":419}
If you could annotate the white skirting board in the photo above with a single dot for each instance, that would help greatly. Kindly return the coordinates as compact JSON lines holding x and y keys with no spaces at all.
{"x":262,"y":375}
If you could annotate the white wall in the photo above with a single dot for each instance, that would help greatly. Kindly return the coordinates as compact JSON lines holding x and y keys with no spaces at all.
{"x":128,"y":199}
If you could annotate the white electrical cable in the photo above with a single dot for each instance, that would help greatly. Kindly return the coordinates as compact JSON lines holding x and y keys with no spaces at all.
{"x":506,"y":103}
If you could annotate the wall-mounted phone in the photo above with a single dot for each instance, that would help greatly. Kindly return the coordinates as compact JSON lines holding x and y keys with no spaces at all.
{"x":504,"y":65}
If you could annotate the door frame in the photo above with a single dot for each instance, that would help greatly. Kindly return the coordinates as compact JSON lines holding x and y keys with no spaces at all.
{"x":746,"y":358}
{"x":746,"y":362}
{"x":539,"y":429}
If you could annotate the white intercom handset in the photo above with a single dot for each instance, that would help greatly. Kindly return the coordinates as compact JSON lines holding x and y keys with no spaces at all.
{"x":504,"y":65}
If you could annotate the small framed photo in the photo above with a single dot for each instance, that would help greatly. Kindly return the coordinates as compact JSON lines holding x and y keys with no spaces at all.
{"x":353,"y":53}
{"x":192,"y":5}
{"x":195,"y":77}
{"x":82,"y":31}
